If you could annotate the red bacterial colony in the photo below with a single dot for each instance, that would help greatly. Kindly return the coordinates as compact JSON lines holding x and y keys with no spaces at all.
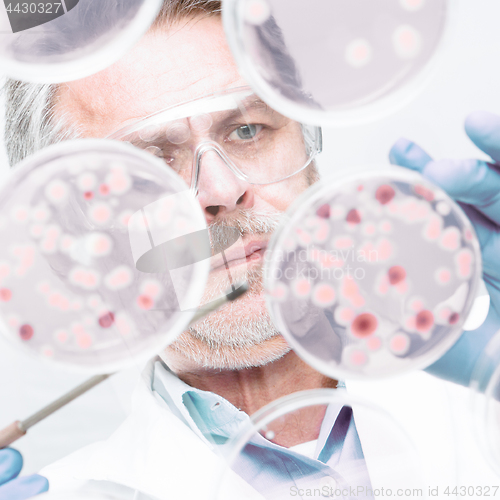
{"x":384,"y":194}
{"x":424,"y":321}
{"x":5,"y":294}
{"x":323,"y":211}
{"x":396,"y":274}
{"x":364,"y":325}
{"x":26,"y":332}
{"x":453,"y":318}
{"x":88,"y":195}
{"x":106,"y":320}
{"x":104,"y":189}
{"x":353,"y":217}
{"x":424,"y":192}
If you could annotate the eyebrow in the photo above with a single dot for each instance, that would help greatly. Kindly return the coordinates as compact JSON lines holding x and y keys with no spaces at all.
{"x":141,"y":143}
{"x":256,"y":104}
{"x":255,"y":101}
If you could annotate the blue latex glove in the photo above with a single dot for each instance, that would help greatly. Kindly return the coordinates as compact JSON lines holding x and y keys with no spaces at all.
{"x":475,"y":185}
{"x":13,"y":487}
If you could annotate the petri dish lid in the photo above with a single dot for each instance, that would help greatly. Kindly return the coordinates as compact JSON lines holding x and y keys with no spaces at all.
{"x":103,"y":248}
{"x":485,"y":402}
{"x":98,"y":490}
{"x":373,"y":275}
{"x":338,"y":63}
{"x":75,"y":495}
{"x":322,"y":440}
{"x":64,"y":40}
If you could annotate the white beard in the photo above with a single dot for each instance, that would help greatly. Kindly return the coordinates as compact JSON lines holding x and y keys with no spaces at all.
{"x":227,"y":338}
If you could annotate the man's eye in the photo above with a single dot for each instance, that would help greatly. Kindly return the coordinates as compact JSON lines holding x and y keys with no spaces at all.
{"x":245,"y":132}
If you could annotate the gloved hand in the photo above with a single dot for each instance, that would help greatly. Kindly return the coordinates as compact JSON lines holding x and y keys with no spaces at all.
{"x":475,"y":185}
{"x":18,"y":488}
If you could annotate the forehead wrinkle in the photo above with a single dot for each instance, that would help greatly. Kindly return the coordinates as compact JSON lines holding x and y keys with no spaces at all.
{"x":192,"y":61}
{"x":91,"y":103}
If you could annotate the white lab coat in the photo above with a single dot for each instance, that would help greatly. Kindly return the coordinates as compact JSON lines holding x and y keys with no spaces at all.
{"x":157,"y":454}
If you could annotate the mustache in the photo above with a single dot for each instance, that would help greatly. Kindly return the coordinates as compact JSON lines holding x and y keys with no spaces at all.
{"x":224,"y":232}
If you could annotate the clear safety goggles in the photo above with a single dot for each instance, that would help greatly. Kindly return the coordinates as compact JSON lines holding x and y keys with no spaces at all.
{"x":258,"y":144}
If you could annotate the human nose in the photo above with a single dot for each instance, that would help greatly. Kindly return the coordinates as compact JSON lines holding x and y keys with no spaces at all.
{"x":219,"y":190}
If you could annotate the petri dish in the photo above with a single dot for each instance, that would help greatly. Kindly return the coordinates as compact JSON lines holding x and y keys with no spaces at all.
{"x":98,"y":490}
{"x":338,"y":63}
{"x":71,"y":495}
{"x":373,"y":275}
{"x":63,"y":40}
{"x":485,"y":402}
{"x":322,"y":441}
{"x":83,"y":224}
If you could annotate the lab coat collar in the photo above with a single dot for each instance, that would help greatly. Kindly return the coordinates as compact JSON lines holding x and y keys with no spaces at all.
{"x":152,"y":451}
{"x":157,"y":453}
{"x":209,"y":415}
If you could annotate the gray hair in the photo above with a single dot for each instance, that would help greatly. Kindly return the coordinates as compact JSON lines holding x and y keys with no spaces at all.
{"x":30,"y":124}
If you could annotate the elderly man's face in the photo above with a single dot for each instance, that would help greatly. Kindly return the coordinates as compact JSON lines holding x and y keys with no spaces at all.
{"x":167,"y":67}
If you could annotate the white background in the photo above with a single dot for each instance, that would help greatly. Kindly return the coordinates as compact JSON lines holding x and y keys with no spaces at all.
{"x":469,"y":80}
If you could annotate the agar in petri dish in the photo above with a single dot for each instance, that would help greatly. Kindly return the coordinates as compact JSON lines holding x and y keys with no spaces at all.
{"x":337,"y":62}
{"x":105,"y":255}
{"x":62,"y":40}
{"x":373,"y":275}
{"x":311,"y":441}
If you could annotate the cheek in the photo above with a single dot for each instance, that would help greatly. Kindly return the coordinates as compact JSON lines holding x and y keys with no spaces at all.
{"x":282,"y":194}
{"x":185,"y":175}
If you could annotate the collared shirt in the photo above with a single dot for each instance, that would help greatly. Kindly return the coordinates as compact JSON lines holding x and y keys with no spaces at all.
{"x":335,"y":460}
